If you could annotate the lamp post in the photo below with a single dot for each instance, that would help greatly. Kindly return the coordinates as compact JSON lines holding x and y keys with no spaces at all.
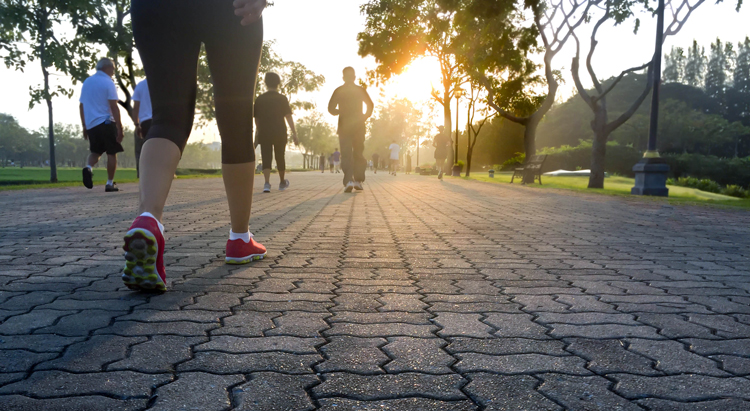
{"x":651,"y":171}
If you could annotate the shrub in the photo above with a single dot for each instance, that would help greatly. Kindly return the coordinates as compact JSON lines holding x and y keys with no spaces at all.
{"x":725,"y":171}
{"x":512,"y":163}
{"x":735,"y":191}
{"x":620,"y":159}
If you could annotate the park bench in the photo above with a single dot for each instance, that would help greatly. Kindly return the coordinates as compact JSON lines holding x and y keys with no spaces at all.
{"x":532,"y":165}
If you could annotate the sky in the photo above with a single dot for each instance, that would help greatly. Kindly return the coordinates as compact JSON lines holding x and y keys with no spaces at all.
{"x":322,"y":35}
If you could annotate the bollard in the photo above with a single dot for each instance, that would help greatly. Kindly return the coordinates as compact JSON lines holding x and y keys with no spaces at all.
{"x":492,"y":173}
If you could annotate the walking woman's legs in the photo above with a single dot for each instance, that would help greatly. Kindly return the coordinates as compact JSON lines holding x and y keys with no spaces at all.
{"x":238,"y":181}
{"x":158,"y":162}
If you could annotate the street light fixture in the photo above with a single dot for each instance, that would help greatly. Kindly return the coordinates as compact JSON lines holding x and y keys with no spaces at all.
{"x":651,"y":171}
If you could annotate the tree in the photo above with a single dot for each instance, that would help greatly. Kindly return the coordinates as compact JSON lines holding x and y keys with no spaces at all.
{"x":315,"y":135}
{"x":396,"y":120}
{"x":497,"y":48}
{"x":473,"y":129}
{"x":695,"y":66}
{"x":741,"y":78}
{"x":398,"y":32}
{"x":30,"y":31}
{"x":674,"y":69}
{"x":718,"y":71}
{"x":617,"y":11}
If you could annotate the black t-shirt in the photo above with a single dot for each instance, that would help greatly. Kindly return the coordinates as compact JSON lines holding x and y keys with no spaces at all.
{"x":270,"y":109}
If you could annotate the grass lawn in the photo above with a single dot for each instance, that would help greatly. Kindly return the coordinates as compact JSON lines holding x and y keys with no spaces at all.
{"x":621,"y":186}
{"x":15,"y":178}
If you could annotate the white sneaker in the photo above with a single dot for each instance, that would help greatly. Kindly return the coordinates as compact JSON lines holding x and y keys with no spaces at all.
{"x":349,"y":187}
{"x":283,"y":186}
{"x":358,"y":186}
{"x":267,"y":188}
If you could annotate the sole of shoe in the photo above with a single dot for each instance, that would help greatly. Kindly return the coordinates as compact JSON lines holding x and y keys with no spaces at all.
{"x":244,"y":260}
{"x":348,"y":189}
{"x":141,"y":251}
{"x":88,"y":178}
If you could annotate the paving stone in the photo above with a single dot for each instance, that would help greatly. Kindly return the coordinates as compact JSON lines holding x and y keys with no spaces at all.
{"x":133,"y":328}
{"x":274,"y":392}
{"x":520,"y":364}
{"x":463,"y":325}
{"x":400,"y":404}
{"x":357,"y":302}
{"x":733,"y":364}
{"x":196,"y":390}
{"x":159,"y":354}
{"x":739,"y":347}
{"x":21,"y":360}
{"x":675,"y":326}
{"x":583,"y":393}
{"x":385,"y":317}
{"x":686,"y":387}
{"x":197,"y":316}
{"x":238,"y":345}
{"x":381,"y":330}
{"x":299,"y":324}
{"x":586,"y":318}
{"x":504,"y":346}
{"x":81,"y":324}
{"x":516,"y":325}
{"x":47,"y":384}
{"x":401,"y":302}
{"x":386,"y":386}
{"x":610,"y":356}
{"x":26,"y":323}
{"x":725,"y":326}
{"x":224,"y":363}
{"x":93,"y":354}
{"x":501,"y":392}
{"x":672,"y":357}
{"x":352,"y":354}
{"x":603,"y":331}
{"x":733,"y":404}
{"x":79,"y":403}
{"x":418,"y":355}
{"x":246,"y":324}
{"x":37,"y":342}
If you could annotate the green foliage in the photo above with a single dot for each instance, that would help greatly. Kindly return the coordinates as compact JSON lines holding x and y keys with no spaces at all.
{"x":397,"y":120}
{"x":735,"y":191}
{"x":725,"y":171}
{"x":513,"y":162}
{"x":620,"y":158}
{"x":315,"y":135}
{"x":710,"y":186}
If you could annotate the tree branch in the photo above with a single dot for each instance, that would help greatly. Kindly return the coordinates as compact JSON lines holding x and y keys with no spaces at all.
{"x":636,"y":104}
{"x":491,"y":102}
{"x":617,"y":80}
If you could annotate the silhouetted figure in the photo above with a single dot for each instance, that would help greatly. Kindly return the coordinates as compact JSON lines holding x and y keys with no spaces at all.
{"x":346,"y":103}
{"x":322,"y":163}
{"x":271,"y":109}
{"x":408,"y":163}
{"x":394,"y":157}
{"x":336,"y":157}
{"x":375,"y":162}
{"x":442,"y":143}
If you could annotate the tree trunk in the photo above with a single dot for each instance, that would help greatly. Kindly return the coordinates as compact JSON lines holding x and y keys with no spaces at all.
{"x":529,"y":143}
{"x":598,"y":156}
{"x":447,"y":120}
{"x":51,"y":131}
{"x":468,"y":162}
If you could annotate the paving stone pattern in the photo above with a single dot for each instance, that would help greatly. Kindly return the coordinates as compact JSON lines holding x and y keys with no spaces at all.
{"x":411,"y":295}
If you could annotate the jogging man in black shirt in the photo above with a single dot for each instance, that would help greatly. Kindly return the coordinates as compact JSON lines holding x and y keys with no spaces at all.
{"x":346,"y":103}
{"x":271,"y":109}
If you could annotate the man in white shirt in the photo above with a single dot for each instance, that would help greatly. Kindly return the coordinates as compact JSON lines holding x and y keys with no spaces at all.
{"x":142,"y":110}
{"x":395,"y":149}
{"x":100,"y":118}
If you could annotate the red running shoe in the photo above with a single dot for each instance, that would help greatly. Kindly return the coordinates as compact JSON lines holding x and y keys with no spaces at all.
{"x":144,"y":256}
{"x":240,"y":252}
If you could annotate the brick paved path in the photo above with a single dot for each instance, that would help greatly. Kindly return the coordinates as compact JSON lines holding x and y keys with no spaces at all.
{"x":413,"y":295}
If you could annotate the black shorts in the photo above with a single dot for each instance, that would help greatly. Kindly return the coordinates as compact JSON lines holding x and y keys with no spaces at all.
{"x":276,"y":149}
{"x":169,"y":34}
{"x":103,"y":139}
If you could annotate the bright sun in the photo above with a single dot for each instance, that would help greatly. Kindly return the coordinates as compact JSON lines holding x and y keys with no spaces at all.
{"x":416,"y":82}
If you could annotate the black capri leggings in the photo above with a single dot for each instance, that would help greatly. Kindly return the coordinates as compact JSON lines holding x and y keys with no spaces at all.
{"x":270,"y":150}
{"x":168,"y":34}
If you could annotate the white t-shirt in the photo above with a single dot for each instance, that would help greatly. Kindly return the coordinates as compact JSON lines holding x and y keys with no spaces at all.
{"x":96,"y":93}
{"x":141,"y":94}
{"x":394,"y":151}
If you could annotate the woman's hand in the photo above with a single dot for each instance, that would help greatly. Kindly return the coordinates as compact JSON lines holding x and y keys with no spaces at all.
{"x":250,"y":10}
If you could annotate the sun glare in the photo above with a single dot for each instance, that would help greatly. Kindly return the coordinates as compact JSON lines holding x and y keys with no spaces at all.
{"x":416,"y":82}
